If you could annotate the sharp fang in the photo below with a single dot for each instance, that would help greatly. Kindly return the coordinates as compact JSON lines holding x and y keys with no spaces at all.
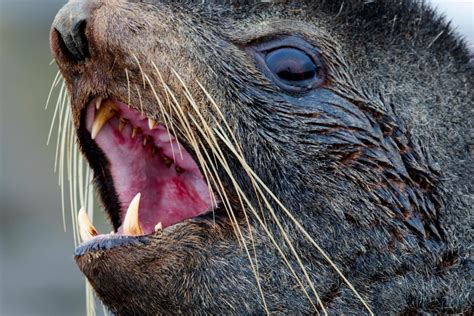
{"x":131,"y":223}
{"x":98,"y":103}
{"x":86,"y":229}
{"x":158,"y":227}
{"x":152,"y":123}
{"x":105,"y":113}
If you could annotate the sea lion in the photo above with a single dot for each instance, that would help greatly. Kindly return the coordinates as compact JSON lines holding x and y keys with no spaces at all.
{"x":286,"y":157}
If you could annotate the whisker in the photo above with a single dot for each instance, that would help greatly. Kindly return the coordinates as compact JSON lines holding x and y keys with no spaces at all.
{"x":298,"y":225}
{"x":62,"y":114}
{"x":166,"y":118}
{"x":231,"y":132}
{"x":236,"y":227}
{"x":70,"y":140}
{"x":90,"y":304}
{"x":141,"y":70}
{"x":128,"y":86}
{"x":204,"y":164}
{"x":238,"y":151}
{"x":61,"y":165}
{"x":188,"y":95}
{"x":139,"y":99}
{"x":53,"y":121}
{"x":281,"y":228}
{"x":82,"y":197}
{"x":53,"y":86}
{"x":69,"y":165}
{"x":234,"y":183}
{"x":204,"y":123}
{"x":241,"y":194}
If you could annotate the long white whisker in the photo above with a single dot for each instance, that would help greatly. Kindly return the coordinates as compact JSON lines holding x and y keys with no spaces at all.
{"x":53,"y":86}
{"x":61,"y":91}
{"x":294,"y":220}
{"x":61,"y":165}
{"x":238,"y":152}
{"x":221,"y":158}
{"x":128,"y":86}
{"x":62,"y":114}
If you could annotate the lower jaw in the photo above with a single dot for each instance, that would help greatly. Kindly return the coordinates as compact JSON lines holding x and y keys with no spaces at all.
{"x":198,"y":225}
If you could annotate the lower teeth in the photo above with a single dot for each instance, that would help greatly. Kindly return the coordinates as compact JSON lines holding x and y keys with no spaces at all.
{"x":131,"y":224}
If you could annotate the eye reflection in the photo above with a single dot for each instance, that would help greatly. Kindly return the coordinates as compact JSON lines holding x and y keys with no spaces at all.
{"x":291,"y":65}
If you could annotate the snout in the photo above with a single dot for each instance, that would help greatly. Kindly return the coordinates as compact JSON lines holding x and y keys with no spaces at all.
{"x":69,"y":36}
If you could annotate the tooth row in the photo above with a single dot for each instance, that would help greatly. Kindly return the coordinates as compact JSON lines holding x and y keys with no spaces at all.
{"x":131,"y":224}
{"x":107,"y":110}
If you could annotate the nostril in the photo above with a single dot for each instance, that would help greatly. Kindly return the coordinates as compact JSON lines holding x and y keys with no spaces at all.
{"x":70,"y":26}
{"x":80,"y":40}
{"x":73,"y":41}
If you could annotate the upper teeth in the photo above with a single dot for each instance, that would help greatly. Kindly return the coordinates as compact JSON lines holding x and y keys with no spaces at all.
{"x":152,"y":123}
{"x":105,"y":112}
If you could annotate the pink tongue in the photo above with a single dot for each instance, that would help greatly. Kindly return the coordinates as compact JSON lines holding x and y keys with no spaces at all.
{"x":171,"y":185}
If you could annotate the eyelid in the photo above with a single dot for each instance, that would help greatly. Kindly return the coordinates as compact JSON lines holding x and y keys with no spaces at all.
{"x":271,"y":43}
{"x":269,"y":50}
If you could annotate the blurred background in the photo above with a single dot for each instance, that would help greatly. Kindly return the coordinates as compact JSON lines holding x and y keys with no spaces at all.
{"x":37,"y":273}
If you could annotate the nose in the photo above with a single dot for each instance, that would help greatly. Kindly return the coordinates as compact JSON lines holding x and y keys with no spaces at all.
{"x":70,"y":24}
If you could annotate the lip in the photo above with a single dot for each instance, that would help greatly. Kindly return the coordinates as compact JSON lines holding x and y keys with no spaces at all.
{"x":108,"y":242}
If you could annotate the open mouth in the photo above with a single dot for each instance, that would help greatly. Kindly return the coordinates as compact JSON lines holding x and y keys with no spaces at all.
{"x":155,"y":181}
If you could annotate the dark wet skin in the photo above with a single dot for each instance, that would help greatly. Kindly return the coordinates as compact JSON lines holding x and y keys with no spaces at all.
{"x":364,"y":138}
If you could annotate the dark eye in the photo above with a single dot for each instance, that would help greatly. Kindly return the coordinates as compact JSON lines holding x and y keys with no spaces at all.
{"x":292,"y":65}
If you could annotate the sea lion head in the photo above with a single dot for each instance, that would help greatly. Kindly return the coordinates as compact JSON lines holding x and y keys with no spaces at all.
{"x":269,"y":157}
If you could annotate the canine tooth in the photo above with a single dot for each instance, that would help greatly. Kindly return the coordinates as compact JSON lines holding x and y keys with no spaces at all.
{"x":131,"y":223}
{"x":167,"y":161}
{"x":152,"y":123}
{"x":86,"y":229}
{"x":105,"y":113}
{"x":122,"y":123}
{"x":98,"y":103}
{"x":158,"y":227}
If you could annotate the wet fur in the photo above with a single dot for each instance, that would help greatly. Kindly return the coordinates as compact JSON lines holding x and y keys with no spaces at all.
{"x":375,"y":164}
